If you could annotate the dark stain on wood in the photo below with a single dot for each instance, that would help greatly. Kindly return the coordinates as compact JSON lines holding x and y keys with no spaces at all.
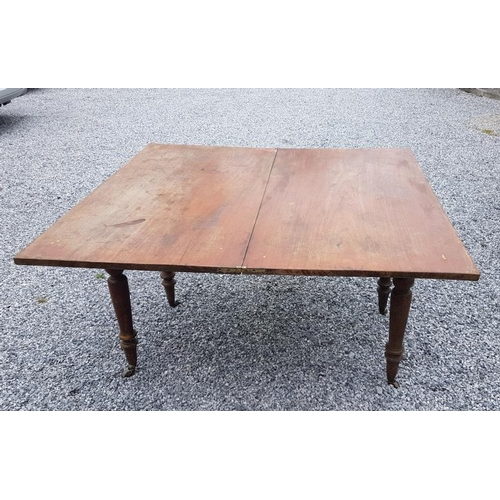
{"x":129,"y":223}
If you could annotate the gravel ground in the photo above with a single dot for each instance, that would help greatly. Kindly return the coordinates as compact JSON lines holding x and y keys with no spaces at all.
{"x":243,"y":343}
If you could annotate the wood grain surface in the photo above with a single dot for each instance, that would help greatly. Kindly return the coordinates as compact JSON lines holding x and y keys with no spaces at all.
{"x":358,"y":212}
{"x":170,"y":207}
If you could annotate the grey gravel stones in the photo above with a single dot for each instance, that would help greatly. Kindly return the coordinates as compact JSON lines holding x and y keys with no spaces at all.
{"x":243,"y":342}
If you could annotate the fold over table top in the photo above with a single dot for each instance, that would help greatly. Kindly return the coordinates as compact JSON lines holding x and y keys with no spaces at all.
{"x":348,"y":212}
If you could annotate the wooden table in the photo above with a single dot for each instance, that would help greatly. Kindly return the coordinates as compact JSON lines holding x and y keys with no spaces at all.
{"x":323,"y":212}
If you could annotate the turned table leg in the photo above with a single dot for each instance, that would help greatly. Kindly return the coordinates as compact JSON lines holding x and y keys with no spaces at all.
{"x":120,"y":296}
{"x":168,"y":282}
{"x":383,"y":289}
{"x":398,"y":316}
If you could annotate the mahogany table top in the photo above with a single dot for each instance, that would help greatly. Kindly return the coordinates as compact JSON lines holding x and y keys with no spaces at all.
{"x":346,"y":212}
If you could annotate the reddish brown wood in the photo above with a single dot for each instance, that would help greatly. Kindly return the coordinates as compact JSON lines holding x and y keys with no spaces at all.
{"x":383,"y":289}
{"x":361,"y":212}
{"x":171,"y":207}
{"x":398,"y":317}
{"x":120,"y":296}
{"x":354,"y":212}
{"x":169,"y":282}
{"x":327,"y":212}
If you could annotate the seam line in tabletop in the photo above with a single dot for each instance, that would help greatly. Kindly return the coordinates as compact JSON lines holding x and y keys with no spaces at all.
{"x":260,"y":206}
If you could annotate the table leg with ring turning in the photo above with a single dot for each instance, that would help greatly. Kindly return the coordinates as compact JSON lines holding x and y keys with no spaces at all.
{"x":398,"y":316}
{"x":120,"y":296}
{"x":168,"y":282}
{"x":384,"y":290}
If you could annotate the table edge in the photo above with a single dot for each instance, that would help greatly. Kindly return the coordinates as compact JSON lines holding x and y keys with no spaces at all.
{"x":472,"y":276}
